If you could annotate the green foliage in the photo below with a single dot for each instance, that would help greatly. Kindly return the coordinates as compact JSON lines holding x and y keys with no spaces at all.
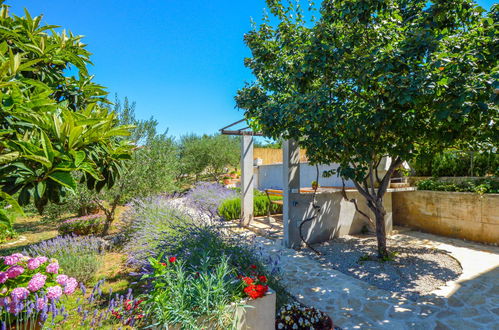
{"x":52,"y":125}
{"x":7,"y":218}
{"x":193,"y":296}
{"x":230,"y":209}
{"x":456,"y":163}
{"x":208,"y":155}
{"x":373,"y":79}
{"x":87,"y":225}
{"x":480,"y":186}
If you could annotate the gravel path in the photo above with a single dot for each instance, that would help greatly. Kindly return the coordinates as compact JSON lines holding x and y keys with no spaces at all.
{"x":414,"y":271}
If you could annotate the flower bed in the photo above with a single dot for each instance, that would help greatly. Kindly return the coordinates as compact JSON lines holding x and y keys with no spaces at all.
{"x":86,"y":225}
{"x":31,"y":289}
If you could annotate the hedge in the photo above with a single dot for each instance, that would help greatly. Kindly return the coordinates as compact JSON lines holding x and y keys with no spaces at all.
{"x":230,"y":209}
{"x":480,"y":186}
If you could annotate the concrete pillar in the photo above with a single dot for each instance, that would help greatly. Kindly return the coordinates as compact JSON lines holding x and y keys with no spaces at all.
{"x":247,"y":179}
{"x":291,"y":185}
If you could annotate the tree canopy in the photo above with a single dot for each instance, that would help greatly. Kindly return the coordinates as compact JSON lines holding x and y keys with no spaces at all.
{"x":52,"y":123}
{"x":370,"y":79}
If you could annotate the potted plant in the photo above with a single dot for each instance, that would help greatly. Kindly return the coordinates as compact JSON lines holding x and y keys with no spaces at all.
{"x":233,"y":174}
{"x":315,"y":185}
{"x":226,"y":180}
{"x":297,"y":316}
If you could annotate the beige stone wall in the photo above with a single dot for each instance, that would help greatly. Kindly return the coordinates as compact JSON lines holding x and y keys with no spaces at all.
{"x":454,"y":214}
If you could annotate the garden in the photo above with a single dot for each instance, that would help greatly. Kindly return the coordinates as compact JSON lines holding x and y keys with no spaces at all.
{"x":108,"y":222}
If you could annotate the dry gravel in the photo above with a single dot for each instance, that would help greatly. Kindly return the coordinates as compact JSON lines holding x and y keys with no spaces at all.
{"x":414,"y":271}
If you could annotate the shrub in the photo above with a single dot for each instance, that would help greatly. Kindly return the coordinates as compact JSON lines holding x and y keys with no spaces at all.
{"x":80,"y":257}
{"x":231,"y":209}
{"x":192,"y":296}
{"x":146,"y":222}
{"x":481,"y":186}
{"x":207,"y":197}
{"x":86,"y":225}
{"x":31,"y":289}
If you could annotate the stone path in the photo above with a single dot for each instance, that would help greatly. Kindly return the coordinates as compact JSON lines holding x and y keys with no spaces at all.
{"x":471,"y":302}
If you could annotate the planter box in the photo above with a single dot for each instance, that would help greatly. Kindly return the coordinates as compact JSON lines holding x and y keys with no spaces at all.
{"x":455,"y":214}
{"x":257,"y":314}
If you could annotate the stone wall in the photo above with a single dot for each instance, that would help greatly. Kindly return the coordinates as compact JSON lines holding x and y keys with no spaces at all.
{"x":454,"y":214}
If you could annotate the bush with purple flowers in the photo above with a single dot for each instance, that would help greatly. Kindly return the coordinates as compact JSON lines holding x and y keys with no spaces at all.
{"x":206,"y":197}
{"x":86,"y":225}
{"x":79,"y":256}
{"x":30,"y":288}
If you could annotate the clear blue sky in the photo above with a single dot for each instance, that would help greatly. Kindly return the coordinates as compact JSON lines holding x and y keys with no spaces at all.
{"x":180,"y":60}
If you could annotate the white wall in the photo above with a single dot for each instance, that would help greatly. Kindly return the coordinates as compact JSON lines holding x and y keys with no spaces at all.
{"x":270,"y":176}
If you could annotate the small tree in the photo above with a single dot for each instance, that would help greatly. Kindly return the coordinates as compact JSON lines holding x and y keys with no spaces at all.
{"x":208,"y":154}
{"x":372,"y":79}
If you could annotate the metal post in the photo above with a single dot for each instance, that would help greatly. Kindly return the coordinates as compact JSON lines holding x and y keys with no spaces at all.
{"x":291,"y":183}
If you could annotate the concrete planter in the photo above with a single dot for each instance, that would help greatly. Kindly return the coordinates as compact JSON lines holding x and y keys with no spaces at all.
{"x":258,"y":314}
{"x":454,"y":214}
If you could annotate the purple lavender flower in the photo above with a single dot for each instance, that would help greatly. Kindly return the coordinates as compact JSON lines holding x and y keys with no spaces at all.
{"x":19,"y":294}
{"x":54,"y":292}
{"x":15,"y":271}
{"x":37,"y":282}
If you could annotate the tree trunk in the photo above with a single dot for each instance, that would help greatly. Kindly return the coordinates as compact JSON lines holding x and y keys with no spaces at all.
{"x":107,"y":225}
{"x":379,"y":212}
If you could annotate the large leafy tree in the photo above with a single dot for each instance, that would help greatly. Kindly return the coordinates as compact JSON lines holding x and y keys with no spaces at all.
{"x":52,"y":124}
{"x":371,"y":79}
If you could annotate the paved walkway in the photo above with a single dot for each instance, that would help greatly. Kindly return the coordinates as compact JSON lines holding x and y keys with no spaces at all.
{"x":471,"y":302}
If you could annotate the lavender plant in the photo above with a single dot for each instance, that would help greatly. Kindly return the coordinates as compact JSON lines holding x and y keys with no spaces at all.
{"x":206,"y":197}
{"x":147,"y":222}
{"x":79,"y":256}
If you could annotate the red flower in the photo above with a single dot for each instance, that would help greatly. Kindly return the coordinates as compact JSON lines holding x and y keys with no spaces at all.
{"x":172,"y":259}
{"x":248,"y":280}
{"x":256,"y":291}
{"x":163,"y":264}
{"x":253,"y":266}
{"x":262,"y":279}
{"x":127,"y":304}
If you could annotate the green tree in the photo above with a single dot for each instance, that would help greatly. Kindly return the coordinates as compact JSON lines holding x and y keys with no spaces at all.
{"x":51,"y":125}
{"x":208,"y":155}
{"x":371,"y":79}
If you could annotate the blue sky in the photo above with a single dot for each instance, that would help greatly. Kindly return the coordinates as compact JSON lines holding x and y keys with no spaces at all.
{"x":181,"y":61}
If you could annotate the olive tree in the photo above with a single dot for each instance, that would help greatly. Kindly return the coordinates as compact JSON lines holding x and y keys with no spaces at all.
{"x":374,"y":79}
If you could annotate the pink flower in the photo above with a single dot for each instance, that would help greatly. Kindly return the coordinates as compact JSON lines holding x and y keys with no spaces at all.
{"x":54,"y":292}
{"x":71,"y":286}
{"x":3,"y":277}
{"x":37,"y":282}
{"x":15,"y":271}
{"x":19,"y":293}
{"x":42,"y":260}
{"x":53,"y":268}
{"x":62,"y":279}
{"x":40,"y":304}
{"x":11,"y":260}
{"x":33,"y":263}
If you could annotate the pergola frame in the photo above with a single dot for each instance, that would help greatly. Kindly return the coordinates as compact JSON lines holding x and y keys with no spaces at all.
{"x":291,"y":178}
